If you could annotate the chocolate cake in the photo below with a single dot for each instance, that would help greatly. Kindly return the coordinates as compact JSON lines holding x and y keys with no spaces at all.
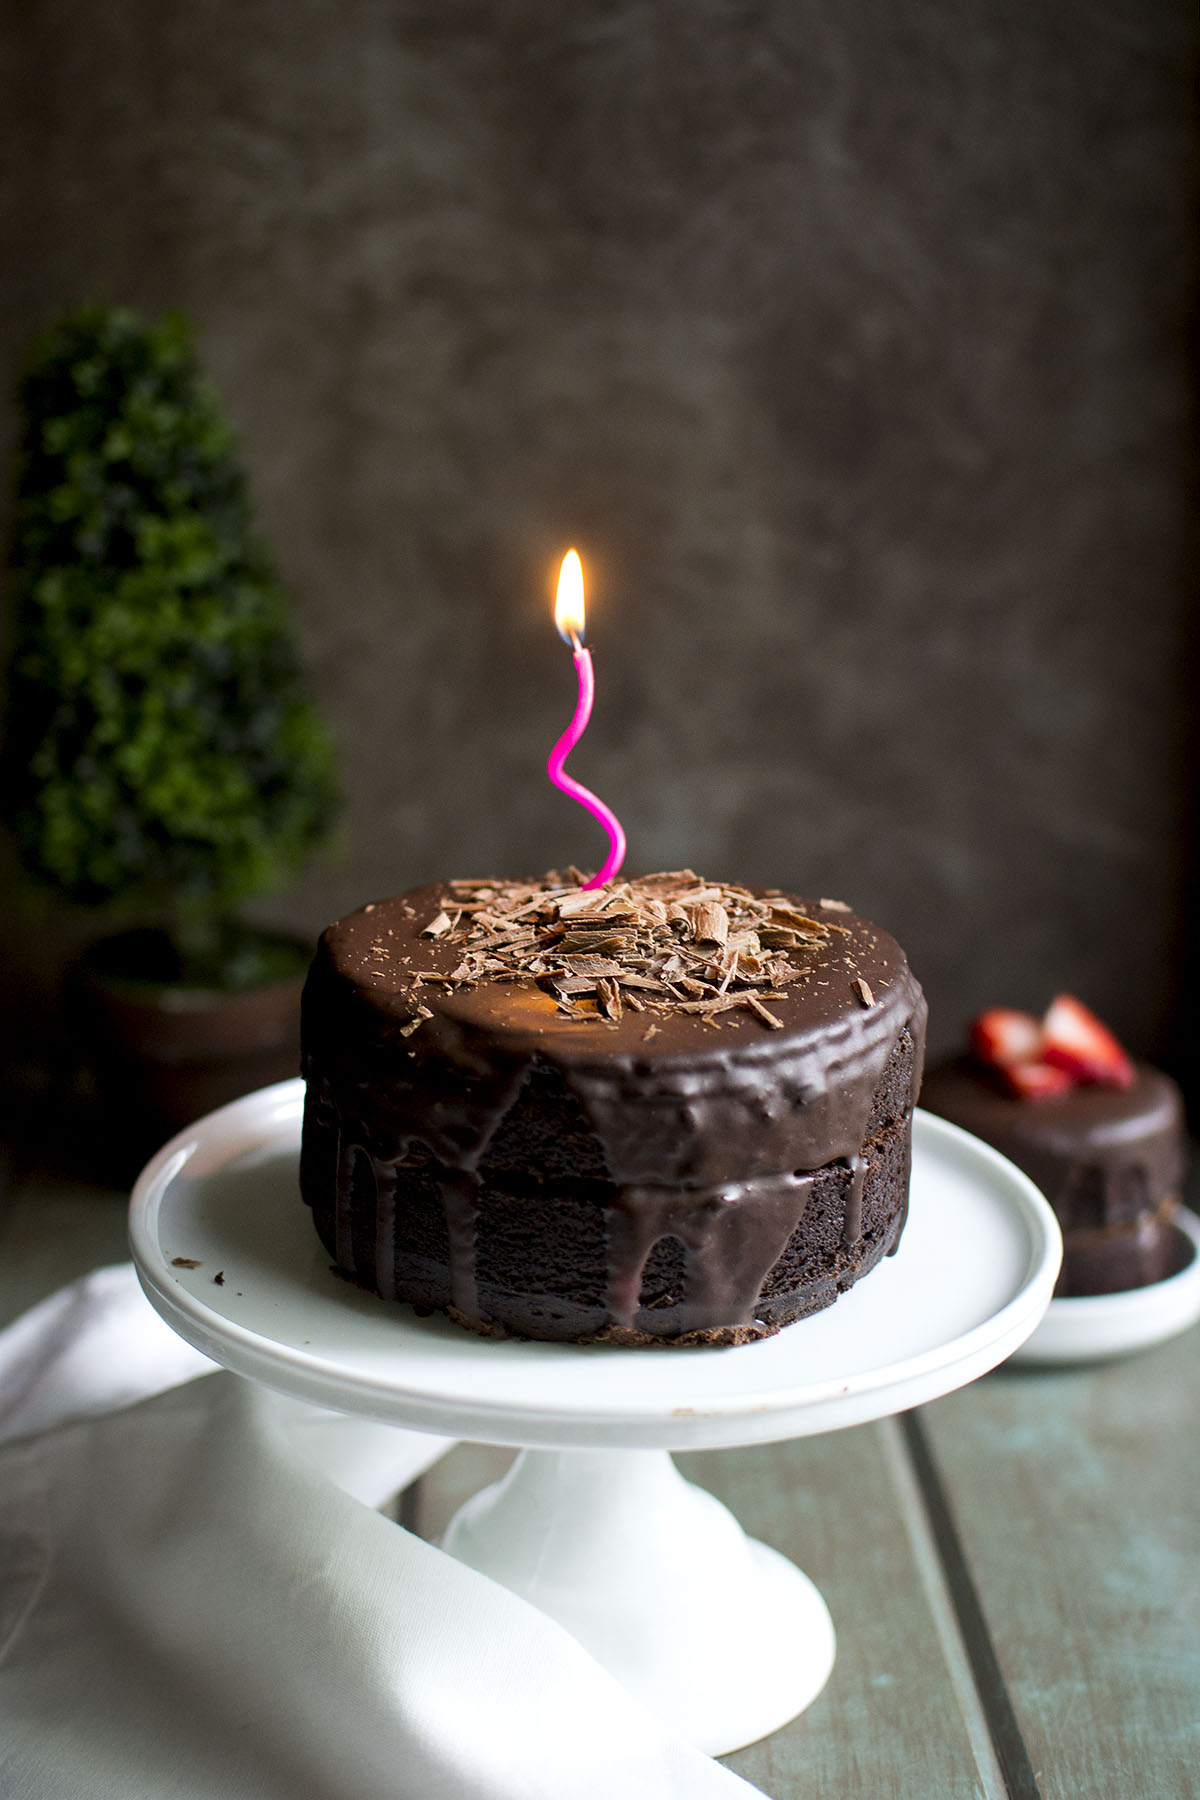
{"x":660,"y":1111}
{"x":1109,"y":1159}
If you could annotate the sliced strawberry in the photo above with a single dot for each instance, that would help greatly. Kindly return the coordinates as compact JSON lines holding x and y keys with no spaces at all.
{"x":1002,"y":1036}
{"x":1035,"y":1080}
{"x":1076,"y":1041}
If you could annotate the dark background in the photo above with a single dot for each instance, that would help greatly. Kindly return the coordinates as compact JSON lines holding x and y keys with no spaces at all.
{"x":848,"y":342}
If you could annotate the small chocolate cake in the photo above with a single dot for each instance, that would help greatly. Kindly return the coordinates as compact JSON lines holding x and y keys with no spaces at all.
{"x":1109,"y":1160}
{"x":659,"y":1111}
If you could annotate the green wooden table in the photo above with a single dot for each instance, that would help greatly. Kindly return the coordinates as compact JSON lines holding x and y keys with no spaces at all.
{"x":1014,"y":1578}
{"x":1012,"y":1571}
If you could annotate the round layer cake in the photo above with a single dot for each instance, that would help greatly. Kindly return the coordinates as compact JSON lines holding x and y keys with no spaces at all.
{"x":659,"y":1111}
{"x":1109,"y":1160}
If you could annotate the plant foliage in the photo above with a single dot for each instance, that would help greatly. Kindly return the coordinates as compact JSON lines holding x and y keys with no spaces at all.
{"x":160,"y":749}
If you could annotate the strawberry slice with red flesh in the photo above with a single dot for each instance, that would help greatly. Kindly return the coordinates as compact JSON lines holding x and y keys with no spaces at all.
{"x":1002,"y":1036}
{"x":1035,"y":1080}
{"x":1010,"y":1043}
{"x":1077,"y":1042}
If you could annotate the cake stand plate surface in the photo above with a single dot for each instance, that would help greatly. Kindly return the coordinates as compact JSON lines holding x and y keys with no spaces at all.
{"x":227,"y":1254}
{"x":593,"y":1523}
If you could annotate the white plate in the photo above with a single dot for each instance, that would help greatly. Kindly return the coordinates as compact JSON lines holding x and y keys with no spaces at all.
{"x":1089,"y":1327}
{"x":971,"y":1279}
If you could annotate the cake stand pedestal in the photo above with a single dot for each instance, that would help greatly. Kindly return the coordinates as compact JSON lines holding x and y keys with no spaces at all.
{"x":722,"y":1637}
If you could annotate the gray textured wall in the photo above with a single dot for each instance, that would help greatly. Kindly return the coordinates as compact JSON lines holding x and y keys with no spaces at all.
{"x":847,"y":341}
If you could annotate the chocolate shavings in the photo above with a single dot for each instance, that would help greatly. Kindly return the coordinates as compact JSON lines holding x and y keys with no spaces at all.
{"x":667,"y":943}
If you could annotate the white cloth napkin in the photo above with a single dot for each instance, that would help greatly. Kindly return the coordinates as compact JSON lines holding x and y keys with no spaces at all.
{"x":198,"y":1601}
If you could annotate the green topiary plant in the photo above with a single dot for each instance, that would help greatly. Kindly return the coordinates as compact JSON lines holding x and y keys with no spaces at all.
{"x":160,"y":752}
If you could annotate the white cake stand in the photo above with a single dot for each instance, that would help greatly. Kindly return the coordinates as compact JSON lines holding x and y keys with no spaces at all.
{"x":721,"y":1636}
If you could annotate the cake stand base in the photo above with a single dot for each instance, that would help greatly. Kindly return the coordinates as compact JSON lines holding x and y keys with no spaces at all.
{"x":594,"y":1524}
{"x":658,"y":1580}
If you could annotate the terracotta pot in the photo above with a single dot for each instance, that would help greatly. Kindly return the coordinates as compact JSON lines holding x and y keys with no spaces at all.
{"x":163,"y":1055}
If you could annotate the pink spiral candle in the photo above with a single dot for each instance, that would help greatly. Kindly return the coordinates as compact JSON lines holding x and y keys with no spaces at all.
{"x":569,"y":617}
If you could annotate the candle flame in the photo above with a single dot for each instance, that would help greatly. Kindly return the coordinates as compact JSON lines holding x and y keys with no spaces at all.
{"x":568,"y":606}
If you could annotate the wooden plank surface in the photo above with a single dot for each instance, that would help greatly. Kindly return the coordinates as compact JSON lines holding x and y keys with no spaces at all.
{"x":1076,"y":1493}
{"x":51,"y":1232}
{"x":1075,"y":1496}
{"x":890,"y":1722}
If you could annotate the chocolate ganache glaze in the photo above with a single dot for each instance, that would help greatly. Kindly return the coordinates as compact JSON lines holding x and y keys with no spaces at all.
{"x":659,"y":1111}
{"x":1109,"y":1160}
